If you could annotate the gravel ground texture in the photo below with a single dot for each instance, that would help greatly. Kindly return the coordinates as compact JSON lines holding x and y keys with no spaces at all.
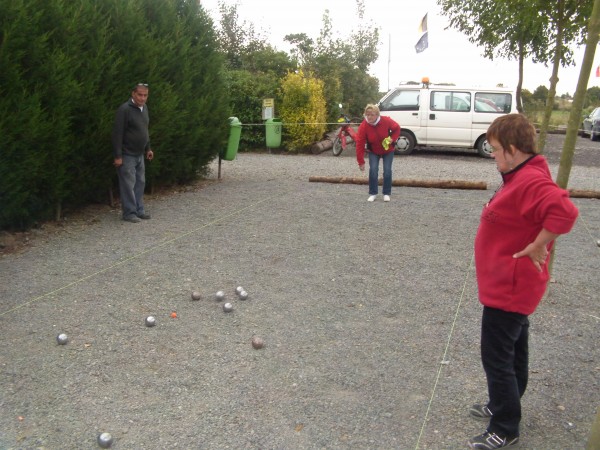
{"x":368,"y":312}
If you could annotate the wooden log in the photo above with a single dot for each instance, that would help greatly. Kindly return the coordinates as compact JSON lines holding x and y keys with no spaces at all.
{"x":577,"y":193}
{"x":436,"y":184}
{"x":321,"y":146}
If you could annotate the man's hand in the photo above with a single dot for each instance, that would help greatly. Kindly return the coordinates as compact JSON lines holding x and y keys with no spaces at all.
{"x":149,"y":155}
{"x":118,"y":162}
{"x":361,"y":167}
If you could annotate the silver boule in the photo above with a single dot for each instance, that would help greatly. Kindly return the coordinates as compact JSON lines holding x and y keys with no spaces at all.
{"x":598,"y":242}
{"x":196,"y":295}
{"x":243,"y":295}
{"x":238,"y":290}
{"x":62,"y":339}
{"x":105,"y":440}
{"x":150,"y":321}
{"x":219,"y":296}
{"x":227,"y":307}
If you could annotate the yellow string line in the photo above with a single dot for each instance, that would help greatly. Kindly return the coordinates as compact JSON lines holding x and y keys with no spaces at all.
{"x":138,"y":255}
{"x":444,"y":361}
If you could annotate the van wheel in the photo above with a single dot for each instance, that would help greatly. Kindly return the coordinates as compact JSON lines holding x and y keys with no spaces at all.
{"x":484,"y":148}
{"x":405,"y":143}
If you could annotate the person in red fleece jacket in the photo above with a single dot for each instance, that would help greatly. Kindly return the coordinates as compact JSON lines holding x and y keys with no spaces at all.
{"x":516,"y":233}
{"x":379,"y":134}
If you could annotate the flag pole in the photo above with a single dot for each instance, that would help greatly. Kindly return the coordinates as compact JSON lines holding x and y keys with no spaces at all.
{"x":389,"y":59}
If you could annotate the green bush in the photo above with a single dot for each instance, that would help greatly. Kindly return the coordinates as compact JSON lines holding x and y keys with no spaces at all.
{"x":303,"y":110}
{"x":66,"y":67}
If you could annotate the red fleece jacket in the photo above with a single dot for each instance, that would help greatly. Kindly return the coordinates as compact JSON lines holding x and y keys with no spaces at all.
{"x":528,"y":201}
{"x":374,"y":134}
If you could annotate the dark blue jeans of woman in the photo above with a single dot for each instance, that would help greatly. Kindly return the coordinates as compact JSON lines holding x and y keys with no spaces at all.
{"x":505,"y":358}
{"x":388,"y":159}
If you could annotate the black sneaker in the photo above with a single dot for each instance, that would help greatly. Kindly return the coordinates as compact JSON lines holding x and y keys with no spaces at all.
{"x":480,"y":412}
{"x":132,"y":219}
{"x":144,"y":216}
{"x":491,"y":441}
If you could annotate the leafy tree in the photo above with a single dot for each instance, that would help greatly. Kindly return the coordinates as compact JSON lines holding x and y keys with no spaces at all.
{"x":592,"y":97}
{"x":511,"y":29}
{"x":540,"y":93}
{"x":237,"y":39}
{"x":566,"y":25}
{"x":342,"y":63}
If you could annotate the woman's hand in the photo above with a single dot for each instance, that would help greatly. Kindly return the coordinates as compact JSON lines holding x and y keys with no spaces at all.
{"x":537,"y":253}
{"x":361,"y":167}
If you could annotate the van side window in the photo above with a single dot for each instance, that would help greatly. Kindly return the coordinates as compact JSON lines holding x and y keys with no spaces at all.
{"x":493,"y":102}
{"x":450,"y":101}
{"x":401,"y":100}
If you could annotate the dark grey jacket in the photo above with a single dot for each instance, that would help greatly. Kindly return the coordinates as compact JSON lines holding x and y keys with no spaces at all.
{"x":130,"y":131}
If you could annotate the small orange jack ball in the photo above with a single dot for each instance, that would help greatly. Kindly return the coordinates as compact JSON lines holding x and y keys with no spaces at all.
{"x":173,"y":315}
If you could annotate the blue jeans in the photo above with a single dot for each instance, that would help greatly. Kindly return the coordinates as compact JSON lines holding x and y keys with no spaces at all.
{"x":132,"y":180}
{"x":388,"y":159}
{"x":505,"y":358}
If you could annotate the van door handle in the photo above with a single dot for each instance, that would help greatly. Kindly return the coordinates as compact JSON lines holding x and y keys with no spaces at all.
{"x":415,"y":114}
{"x":431,"y":116}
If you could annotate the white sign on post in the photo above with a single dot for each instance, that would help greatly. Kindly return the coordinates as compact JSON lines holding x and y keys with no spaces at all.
{"x":268,"y":108}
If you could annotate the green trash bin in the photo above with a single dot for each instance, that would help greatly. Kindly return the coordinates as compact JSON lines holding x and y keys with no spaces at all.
{"x":273,"y":132}
{"x":235,"y":132}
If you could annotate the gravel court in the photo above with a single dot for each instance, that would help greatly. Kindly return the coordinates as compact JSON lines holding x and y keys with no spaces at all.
{"x":356,"y":325}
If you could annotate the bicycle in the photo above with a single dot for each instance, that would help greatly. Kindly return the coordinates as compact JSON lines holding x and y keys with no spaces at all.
{"x":345,"y":135}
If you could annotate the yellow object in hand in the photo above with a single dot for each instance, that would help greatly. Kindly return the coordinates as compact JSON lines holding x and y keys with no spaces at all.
{"x":386,"y":143}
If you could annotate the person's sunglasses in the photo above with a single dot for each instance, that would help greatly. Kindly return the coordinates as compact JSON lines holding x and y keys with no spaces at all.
{"x":142,"y":84}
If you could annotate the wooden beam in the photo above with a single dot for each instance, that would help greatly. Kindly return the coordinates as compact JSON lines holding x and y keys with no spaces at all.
{"x":576,"y":193}
{"x":436,"y":184}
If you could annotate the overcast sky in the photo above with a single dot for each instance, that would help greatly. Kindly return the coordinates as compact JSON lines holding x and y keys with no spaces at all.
{"x":449,"y":58}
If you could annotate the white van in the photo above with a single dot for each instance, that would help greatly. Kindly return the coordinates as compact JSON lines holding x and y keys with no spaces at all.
{"x":448,"y":116}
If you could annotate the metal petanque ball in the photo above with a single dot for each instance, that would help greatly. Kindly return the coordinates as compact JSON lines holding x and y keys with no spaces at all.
{"x":62,"y":339}
{"x":196,"y":295}
{"x":150,"y":321}
{"x":227,"y":307}
{"x":598,"y":243}
{"x":257,"y":342}
{"x":243,"y":295}
{"x":219,"y":296}
{"x":238,"y":290}
{"x":105,"y":440}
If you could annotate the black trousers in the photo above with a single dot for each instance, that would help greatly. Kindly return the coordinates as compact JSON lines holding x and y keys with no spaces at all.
{"x":505,"y":358}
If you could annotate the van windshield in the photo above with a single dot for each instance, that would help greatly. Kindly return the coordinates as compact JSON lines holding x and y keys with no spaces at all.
{"x":401,"y":100}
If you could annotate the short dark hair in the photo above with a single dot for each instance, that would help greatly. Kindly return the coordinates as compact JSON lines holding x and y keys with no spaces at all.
{"x":514,"y":129}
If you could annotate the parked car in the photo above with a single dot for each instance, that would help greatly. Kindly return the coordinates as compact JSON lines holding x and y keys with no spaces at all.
{"x":445,"y":116}
{"x":591,"y":125}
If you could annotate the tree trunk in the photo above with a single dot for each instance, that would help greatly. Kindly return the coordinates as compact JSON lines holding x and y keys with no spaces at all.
{"x":520,"y":82}
{"x":560,"y":19}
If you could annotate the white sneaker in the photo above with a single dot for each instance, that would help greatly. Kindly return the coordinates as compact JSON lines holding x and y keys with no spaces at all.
{"x":371,"y":198}
{"x":386,"y":198}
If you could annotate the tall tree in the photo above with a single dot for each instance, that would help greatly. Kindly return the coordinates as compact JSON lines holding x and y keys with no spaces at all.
{"x":566,"y":25}
{"x":512,"y":29}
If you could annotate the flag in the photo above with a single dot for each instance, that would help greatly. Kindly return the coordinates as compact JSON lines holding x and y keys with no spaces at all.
{"x":598,"y":71}
{"x":423,"y":25}
{"x":423,"y":43}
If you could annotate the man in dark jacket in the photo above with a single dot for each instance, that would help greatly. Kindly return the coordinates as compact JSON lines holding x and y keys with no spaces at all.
{"x":131,"y":142}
